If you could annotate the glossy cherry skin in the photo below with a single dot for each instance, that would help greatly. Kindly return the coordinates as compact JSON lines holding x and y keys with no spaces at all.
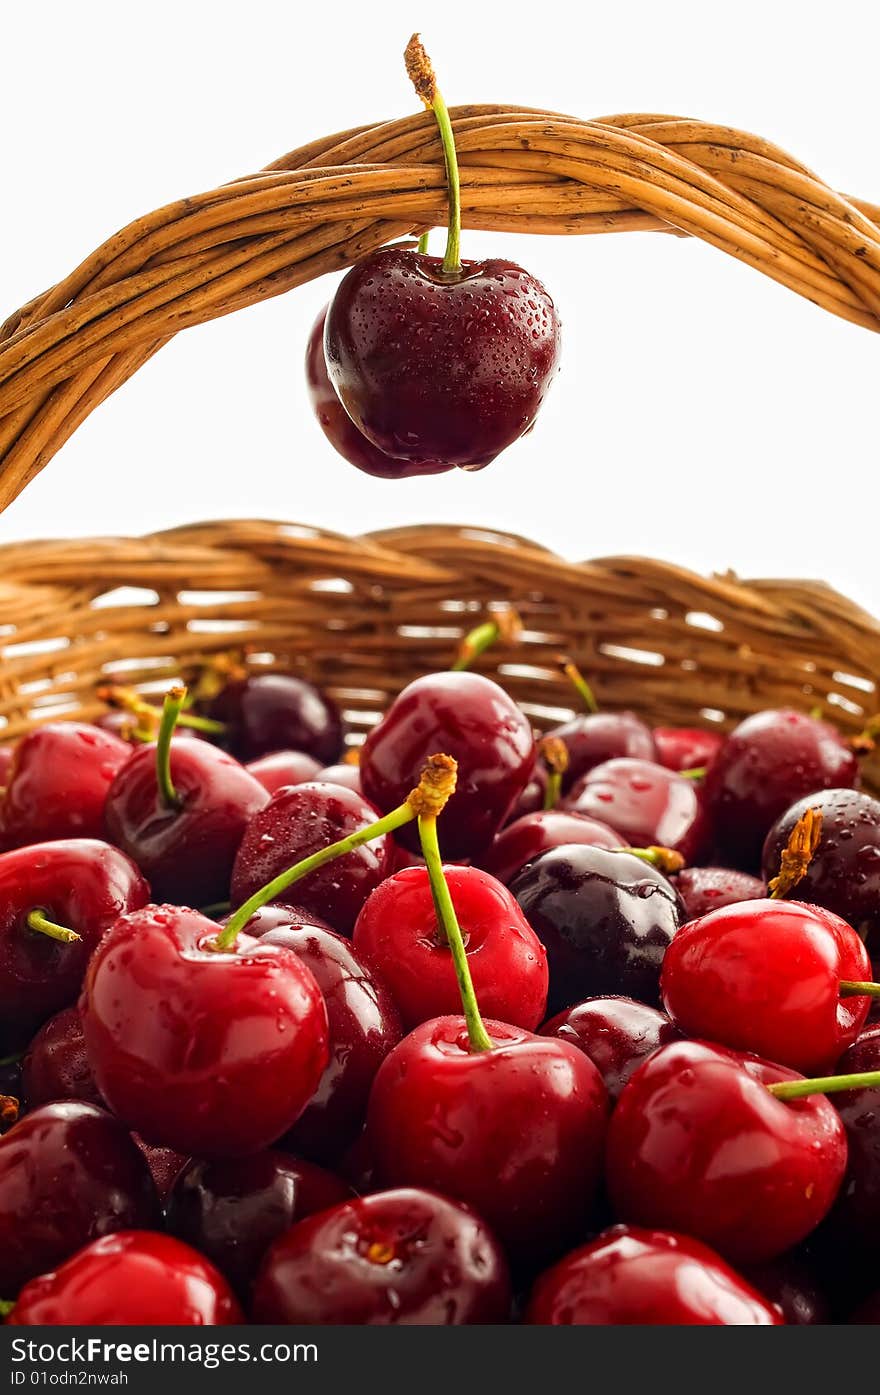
{"x":77,"y":882}
{"x":437,"y":367}
{"x":647,"y":804}
{"x":687,"y":748}
{"x":844,"y":871}
{"x":856,"y":1216}
{"x":470,"y":718}
{"x":768,"y":762}
{"x":68,"y":1173}
{"x":531,"y":801}
{"x":209,"y":1053}
{"x":284,"y":768}
{"x":301,"y":820}
{"x":233,"y":1209}
{"x":58,"y":783}
{"x":697,"y":1144}
{"x":186,"y":852}
{"x":338,"y":426}
{"x":764,"y":976}
{"x":516,"y":1132}
{"x":526,"y":838}
{"x":630,"y":1277}
{"x":617,"y":1034}
{"x":363,"y":1026}
{"x":397,"y":1258}
{"x":705,"y":889}
{"x":56,"y":1066}
{"x":343,"y":774}
{"x":164,"y":1163}
{"x":136,"y":1278}
{"x":398,"y":931}
{"x":591,"y":738}
{"x":606,"y":919}
{"x":268,"y":712}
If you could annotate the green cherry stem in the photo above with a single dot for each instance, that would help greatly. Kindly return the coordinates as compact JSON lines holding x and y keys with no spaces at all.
{"x":825,"y":1085}
{"x":554,"y":754}
{"x":6,"y":1306}
{"x":44,"y":926}
{"x":578,"y":682}
{"x":477,"y":1035}
{"x":127,"y":700}
{"x":851,"y":989}
{"x":171,"y":708}
{"x":422,"y":248}
{"x":505,"y":624}
{"x":666,"y":860}
{"x":696,"y":772}
{"x":435,"y":786}
{"x":423,"y":78}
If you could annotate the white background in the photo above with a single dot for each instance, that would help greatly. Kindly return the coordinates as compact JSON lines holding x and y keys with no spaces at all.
{"x":704,"y":414}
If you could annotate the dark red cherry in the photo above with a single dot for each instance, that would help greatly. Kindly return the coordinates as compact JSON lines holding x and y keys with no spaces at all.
{"x":471,"y":719}
{"x":363,"y":1026}
{"x":56,"y":1066}
{"x":844,"y":870}
{"x":212,"y":1053}
{"x":398,"y":931}
{"x":768,"y":762}
{"x":58,"y":783}
{"x":592,"y":738}
{"x":793,"y":1285}
{"x":856,"y":1216}
{"x":338,"y":426}
{"x":647,"y":804}
{"x":433,"y":366}
{"x":704,"y":889}
{"x":299,"y":821}
{"x":397,"y":1258}
{"x":617,"y":1034}
{"x":267,"y":712}
{"x":136,"y":1278}
{"x":342,"y":774}
{"x":699,"y":1144}
{"x":164,"y":1163}
{"x":606,"y":919}
{"x":765,"y":976}
{"x":527,"y":837}
{"x":517,"y":1131}
{"x":687,"y":748}
{"x":68,"y":1173}
{"x":78,"y":884}
{"x":283,"y":768}
{"x":629,"y":1277}
{"x":233,"y":1209}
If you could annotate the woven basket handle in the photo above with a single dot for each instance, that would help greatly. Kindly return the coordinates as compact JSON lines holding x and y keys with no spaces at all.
{"x":321,"y":207}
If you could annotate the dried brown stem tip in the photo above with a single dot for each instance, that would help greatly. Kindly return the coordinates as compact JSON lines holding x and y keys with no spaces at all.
{"x":436,"y":785}
{"x":798,"y":854}
{"x":554,"y":754}
{"x":420,"y":70}
{"x":9,"y":1110}
{"x":866,"y":742}
{"x":352,"y":756}
{"x":666,"y":860}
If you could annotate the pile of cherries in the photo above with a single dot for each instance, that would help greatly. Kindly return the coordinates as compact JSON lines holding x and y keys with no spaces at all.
{"x":271,"y":1060}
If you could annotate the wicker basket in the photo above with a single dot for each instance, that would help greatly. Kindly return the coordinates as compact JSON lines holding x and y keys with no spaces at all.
{"x":364,"y":615}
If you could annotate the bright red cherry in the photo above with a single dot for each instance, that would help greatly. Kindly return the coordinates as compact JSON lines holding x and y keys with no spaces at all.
{"x":299,"y":821}
{"x":617,"y":1034}
{"x":283,"y":768}
{"x":232,"y":1210}
{"x":765,"y":976}
{"x":210,"y":1052}
{"x":338,"y":426}
{"x":516,"y":1131}
{"x":768,"y":762}
{"x":476,"y":722}
{"x":136,"y":1278}
{"x":68,"y":1173}
{"x":687,"y":748}
{"x":47,"y":891}
{"x":58,"y":783}
{"x":527,"y":837}
{"x":397,"y":1258}
{"x":266,"y":712}
{"x":646,"y":1278}
{"x":56,"y":1066}
{"x":647,"y":804}
{"x":699,"y":1144}
{"x":398,"y":931}
{"x":704,"y":889}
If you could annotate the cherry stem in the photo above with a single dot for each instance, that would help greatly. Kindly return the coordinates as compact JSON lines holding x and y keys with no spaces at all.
{"x":477,"y":1035}
{"x":578,"y":682}
{"x":10,"y":1109}
{"x":127,"y":700}
{"x":174,"y":700}
{"x":696,"y":772}
{"x":825,"y":1085}
{"x":422,"y":248}
{"x":6,"y":1306}
{"x":851,"y":989}
{"x":423,"y":78}
{"x":554,"y":754}
{"x":666,"y":860}
{"x":44,"y":926}
{"x":797,"y":854}
{"x":436,"y":785}
{"x":505,"y":625}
